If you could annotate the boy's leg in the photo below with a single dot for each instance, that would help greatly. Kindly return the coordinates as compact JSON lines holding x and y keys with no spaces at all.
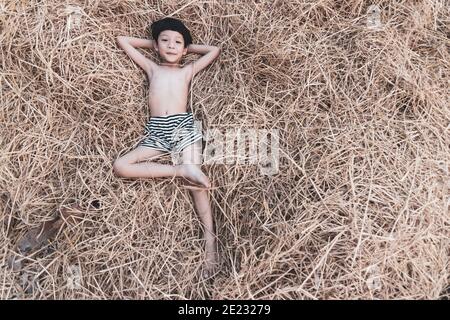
{"x":192,"y":156}
{"x":190,"y":168}
{"x":135,"y":164}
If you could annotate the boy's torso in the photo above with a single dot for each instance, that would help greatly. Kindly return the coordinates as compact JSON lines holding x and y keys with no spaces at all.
{"x":168,"y":90}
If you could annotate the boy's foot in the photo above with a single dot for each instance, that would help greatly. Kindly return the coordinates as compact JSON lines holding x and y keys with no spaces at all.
{"x":210,"y":267}
{"x":194,"y":174}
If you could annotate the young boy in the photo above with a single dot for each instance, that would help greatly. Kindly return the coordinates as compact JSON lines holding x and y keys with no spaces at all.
{"x":171,"y":126}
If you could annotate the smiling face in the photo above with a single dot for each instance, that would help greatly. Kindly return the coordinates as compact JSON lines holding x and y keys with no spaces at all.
{"x":171,"y":46}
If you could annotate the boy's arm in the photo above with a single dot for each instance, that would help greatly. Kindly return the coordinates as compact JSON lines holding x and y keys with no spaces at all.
{"x":129,"y":45}
{"x":209,"y":54}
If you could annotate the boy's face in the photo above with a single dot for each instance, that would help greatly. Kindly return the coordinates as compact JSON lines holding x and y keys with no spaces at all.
{"x":171,"y":46}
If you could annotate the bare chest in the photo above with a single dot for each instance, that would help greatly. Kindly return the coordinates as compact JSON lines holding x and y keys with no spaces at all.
{"x":168,"y":81}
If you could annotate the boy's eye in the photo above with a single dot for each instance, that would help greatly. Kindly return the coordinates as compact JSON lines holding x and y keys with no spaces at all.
{"x":178,"y":41}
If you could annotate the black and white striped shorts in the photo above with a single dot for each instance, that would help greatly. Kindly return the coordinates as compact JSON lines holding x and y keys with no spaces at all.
{"x":171,"y":133}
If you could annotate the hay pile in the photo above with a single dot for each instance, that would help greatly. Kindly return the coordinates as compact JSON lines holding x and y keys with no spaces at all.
{"x":358,"y":209}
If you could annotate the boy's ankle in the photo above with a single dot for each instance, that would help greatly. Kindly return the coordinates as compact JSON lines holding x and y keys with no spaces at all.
{"x":179,"y":170}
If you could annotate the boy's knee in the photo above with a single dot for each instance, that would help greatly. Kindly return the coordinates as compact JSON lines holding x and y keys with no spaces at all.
{"x":120,"y":167}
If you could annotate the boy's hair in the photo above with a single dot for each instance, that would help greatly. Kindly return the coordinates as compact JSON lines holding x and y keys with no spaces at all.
{"x":171,"y":24}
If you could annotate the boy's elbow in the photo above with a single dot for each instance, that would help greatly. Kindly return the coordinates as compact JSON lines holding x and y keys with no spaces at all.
{"x":121,"y":38}
{"x":213,"y":48}
{"x":217,"y":50}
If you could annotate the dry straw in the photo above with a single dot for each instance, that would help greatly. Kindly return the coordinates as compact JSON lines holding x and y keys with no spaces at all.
{"x":357,"y":210}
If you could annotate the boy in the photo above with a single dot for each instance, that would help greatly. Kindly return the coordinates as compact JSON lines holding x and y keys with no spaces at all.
{"x":171,"y":127}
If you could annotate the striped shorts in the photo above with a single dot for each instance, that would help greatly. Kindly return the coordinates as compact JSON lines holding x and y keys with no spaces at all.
{"x":171,"y":133}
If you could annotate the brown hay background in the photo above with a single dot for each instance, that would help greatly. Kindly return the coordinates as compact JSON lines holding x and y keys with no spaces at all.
{"x":358,"y":210}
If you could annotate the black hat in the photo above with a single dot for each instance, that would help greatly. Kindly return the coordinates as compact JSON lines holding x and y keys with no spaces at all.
{"x":171,"y":24}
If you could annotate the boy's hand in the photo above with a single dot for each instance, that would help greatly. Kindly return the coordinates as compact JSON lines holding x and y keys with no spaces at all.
{"x":130,"y":44}
{"x":210,"y":53}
